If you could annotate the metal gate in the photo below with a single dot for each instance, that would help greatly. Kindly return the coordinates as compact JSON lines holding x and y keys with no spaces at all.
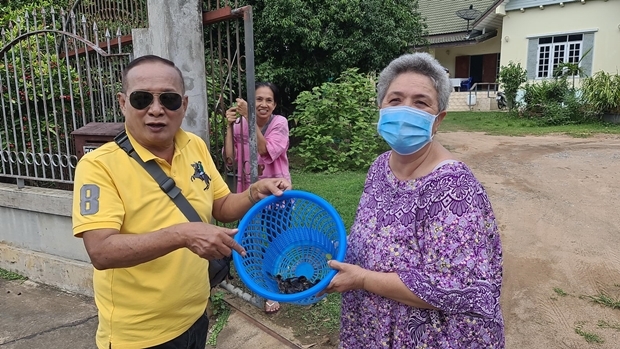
{"x":229,"y":50}
{"x":56,"y":74}
{"x":59,"y":71}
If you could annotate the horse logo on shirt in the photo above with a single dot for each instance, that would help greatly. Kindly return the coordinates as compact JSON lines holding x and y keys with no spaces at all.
{"x":199,"y":172}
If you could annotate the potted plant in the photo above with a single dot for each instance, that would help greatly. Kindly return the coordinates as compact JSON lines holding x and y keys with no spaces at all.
{"x":601,"y":94}
{"x":571,"y":69}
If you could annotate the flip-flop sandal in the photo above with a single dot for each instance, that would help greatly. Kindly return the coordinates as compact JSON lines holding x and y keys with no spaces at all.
{"x":270,"y":305}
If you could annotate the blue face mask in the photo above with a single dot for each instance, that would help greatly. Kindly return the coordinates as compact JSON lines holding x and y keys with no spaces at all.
{"x":405,"y":129}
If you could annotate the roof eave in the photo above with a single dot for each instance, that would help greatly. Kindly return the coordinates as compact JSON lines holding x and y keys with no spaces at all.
{"x":471,"y":41}
{"x":490,"y":10}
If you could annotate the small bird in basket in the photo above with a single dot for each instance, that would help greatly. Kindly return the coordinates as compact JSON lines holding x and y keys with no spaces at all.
{"x":294,"y":284}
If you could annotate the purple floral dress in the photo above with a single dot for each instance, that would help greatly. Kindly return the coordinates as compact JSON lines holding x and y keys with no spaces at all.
{"x":439,"y":234}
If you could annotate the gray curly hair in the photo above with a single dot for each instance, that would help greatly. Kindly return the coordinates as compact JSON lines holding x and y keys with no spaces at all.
{"x":421,"y":63}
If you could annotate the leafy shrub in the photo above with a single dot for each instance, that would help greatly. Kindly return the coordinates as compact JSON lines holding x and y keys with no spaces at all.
{"x":601,"y":93}
{"x":336,"y":123}
{"x":552,"y":102}
{"x":11,"y":10}
{"x":511,"y":77}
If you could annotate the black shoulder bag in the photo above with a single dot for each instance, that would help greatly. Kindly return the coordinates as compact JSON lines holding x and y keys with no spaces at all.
{"x":219,"y":269}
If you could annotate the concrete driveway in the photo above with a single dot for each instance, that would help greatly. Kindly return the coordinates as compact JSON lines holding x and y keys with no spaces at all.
{"x":36,"y":316}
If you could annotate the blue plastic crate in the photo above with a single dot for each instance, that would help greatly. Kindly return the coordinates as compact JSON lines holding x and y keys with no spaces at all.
{"x":291,"y":235}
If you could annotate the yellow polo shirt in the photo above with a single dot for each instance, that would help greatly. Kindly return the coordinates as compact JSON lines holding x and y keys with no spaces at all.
{"x":156,"y":301}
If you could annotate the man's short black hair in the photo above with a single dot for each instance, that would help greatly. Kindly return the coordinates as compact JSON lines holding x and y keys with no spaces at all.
{"x":150,"y":59}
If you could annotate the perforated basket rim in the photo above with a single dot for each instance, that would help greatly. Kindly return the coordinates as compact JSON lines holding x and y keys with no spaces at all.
{"x":290,"y":194}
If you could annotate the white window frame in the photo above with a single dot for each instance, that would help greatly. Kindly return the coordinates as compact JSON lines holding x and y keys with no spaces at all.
{"x":540,"y":66}
{"x":554,"y":58}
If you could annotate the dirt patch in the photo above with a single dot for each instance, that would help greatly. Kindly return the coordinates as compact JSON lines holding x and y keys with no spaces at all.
{"x":555,"y":198}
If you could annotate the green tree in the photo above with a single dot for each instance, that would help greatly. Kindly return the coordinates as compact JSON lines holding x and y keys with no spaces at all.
{"x":300,"y":44}
{"x":511,"y":77}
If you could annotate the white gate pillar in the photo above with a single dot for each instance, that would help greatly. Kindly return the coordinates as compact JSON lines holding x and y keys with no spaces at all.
{"x":176,"y":32}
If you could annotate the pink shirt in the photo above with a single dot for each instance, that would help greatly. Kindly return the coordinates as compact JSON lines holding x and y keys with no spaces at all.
{"x":274,"y":164}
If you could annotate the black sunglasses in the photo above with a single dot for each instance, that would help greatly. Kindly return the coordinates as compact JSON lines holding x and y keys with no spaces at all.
{"x":142,"y":99}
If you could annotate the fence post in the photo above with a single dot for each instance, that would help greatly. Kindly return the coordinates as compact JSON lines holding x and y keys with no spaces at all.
{"x":176,"y":32}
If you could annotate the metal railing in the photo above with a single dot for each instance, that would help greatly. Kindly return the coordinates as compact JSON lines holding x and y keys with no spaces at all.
{"x":484,"y":86}
{"x":54,"y":79}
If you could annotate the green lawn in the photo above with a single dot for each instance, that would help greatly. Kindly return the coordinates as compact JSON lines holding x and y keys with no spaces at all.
{"x":502,"y":123}
{"x":342,"y":190}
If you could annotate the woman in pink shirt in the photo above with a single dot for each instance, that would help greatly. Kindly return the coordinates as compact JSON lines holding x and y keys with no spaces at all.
{"x":272,"y":139}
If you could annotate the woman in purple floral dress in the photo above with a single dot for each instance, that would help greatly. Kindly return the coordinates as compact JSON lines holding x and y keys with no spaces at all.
{"x":424,"y":263}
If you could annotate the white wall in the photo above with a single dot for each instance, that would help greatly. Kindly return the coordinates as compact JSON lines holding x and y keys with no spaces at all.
{"x":36,"y":238}
{"x":599,"y":15}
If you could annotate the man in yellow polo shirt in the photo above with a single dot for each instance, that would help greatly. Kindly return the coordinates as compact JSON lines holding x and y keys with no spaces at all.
{"x":151,"y":265}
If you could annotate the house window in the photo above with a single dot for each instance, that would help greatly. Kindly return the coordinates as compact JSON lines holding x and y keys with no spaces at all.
{"x":553,"y":50}
{"x":543,"y":60}
{"x":546,"y":52}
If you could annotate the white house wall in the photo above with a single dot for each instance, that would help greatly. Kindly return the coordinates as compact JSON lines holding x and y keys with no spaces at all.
{"x":599,"y":18}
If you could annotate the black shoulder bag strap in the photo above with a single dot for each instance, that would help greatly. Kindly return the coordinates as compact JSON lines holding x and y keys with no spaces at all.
{"x":166,"y":183}
{"x":219,"y":269}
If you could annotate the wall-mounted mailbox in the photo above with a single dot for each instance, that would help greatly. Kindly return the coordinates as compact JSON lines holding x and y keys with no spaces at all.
{"x":93,"y":135}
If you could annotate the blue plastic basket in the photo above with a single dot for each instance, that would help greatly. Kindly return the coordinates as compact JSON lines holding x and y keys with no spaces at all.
{"x":291,"y":235}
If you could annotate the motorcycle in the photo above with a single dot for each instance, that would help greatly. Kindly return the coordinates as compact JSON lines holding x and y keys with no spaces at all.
{"x":501,"y":101}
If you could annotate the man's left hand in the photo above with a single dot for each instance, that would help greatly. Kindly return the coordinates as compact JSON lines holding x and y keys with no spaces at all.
{"x":268,"y":186}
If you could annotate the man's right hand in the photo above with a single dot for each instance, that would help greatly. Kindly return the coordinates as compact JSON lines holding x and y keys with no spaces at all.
{"x":210,"y":241}
{"x":108,"y":249}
